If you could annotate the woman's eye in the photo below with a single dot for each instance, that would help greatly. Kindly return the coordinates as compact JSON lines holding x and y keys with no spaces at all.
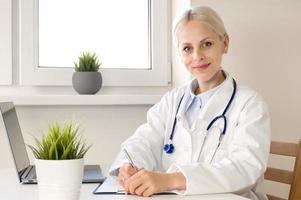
{"x":207,"y":44}
{"x":187,"y":49}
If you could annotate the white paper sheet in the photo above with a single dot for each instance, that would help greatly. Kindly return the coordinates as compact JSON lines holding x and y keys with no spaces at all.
{"x":109,"y":186}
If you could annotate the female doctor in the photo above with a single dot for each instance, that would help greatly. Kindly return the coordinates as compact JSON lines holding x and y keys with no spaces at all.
{"x":210,"y":136}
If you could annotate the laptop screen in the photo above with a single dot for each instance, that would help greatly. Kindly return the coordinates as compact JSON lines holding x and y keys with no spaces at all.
{"x":14,"y":134}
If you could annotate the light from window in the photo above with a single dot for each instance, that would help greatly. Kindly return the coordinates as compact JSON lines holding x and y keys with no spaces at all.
{"x":116,"y":30}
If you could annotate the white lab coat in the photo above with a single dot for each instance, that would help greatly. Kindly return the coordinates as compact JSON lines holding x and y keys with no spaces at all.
{"x":239,"y":162}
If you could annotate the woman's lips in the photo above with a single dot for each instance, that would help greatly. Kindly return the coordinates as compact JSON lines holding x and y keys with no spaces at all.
{"x":202,"y":66}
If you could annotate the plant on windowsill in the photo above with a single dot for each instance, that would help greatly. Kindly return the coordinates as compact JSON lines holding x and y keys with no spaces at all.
{"x":59,"y":161}
{"x":87,"y":79}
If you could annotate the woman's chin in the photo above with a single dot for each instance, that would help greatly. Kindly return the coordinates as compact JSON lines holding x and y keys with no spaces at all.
{"x":202,"y":77}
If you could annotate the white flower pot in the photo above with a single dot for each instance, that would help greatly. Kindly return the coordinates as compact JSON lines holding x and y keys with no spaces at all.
{"x":59,"y":179}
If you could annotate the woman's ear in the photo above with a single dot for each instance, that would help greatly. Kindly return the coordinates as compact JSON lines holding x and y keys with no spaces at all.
{"x":226,"y":43}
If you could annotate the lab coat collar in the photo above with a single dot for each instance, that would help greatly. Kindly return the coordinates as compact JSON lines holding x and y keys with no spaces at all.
{"x":218,"y":102}
{"x":204,"y":97}
{"x":215,"y":105}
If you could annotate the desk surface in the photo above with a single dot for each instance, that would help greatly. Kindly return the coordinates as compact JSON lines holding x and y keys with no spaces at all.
{"x":11,"y":189}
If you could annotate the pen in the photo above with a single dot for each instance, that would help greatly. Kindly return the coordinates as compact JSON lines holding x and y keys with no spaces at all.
{"x":129,"y":158}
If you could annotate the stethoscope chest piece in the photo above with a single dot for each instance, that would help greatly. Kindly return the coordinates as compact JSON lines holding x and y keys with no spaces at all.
{"x":169,"y":148}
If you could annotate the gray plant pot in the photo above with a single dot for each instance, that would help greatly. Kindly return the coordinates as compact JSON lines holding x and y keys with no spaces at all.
{"x":87,"y":82}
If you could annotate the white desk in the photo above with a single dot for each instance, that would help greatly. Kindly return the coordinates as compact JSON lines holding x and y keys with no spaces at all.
{"x":11,"y":189}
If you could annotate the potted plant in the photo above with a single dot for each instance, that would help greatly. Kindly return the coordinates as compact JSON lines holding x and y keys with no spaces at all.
{"x":59,"y":162}
{"x":87,"y":79}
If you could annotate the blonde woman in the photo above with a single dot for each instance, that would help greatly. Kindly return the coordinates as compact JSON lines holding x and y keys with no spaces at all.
{"x":210,"y":136}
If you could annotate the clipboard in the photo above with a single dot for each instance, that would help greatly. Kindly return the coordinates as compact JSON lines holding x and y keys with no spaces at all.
{"x":111,"y":186}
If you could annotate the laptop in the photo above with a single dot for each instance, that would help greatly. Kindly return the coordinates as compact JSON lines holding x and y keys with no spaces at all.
{"x":9,"y":123}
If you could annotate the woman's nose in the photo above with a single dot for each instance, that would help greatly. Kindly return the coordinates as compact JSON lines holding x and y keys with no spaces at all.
{"x":198,"y":55}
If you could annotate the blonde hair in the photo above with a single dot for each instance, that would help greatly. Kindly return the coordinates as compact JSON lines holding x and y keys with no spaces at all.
{"x":204,"y":15}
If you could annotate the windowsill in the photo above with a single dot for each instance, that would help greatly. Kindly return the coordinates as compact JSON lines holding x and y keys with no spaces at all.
{"x":66,"y":96}
{"x":69,"y":100}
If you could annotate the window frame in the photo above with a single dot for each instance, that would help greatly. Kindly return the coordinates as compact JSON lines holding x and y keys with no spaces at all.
{"x":160,"y":41}
{"x":6,"y":42}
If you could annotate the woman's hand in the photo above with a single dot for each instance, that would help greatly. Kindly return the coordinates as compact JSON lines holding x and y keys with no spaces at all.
{"x":146,"y":183}
{"x":125,"y":172}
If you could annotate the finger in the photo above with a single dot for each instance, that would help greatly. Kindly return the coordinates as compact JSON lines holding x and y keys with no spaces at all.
{"x":122,"y":174}
{"x":139,"y":190}
{"x":123,"y":168}
{"x":134,"y":181}
{"x":142,"y":171}
{"x":134,"y":184}
{"x":131,"y":183}
{"x":130,"y":170}
{"x":127,"y":171}
{"x":120,"y":181}
{"x":148,"y":192}
{"x":126,"y":186}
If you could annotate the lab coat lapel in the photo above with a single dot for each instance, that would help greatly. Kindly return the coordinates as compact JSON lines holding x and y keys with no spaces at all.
{"x":214,"y":107}
{"x":181,"y":114}
{"x":199,"y":140}
{"x":218,"y":102}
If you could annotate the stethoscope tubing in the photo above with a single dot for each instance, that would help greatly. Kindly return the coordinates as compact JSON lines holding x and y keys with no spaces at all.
{"x":175,"y":120}
{"x":169,"y":148}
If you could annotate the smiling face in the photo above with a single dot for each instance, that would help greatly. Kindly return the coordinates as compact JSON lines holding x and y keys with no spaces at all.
{"x":201,"y":50}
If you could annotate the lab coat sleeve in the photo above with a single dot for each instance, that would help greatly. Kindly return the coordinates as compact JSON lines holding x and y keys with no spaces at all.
{"x":247,"y":156}
{"x":145,"y":145}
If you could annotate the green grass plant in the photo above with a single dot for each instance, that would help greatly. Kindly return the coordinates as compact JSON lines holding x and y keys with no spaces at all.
{"x":87,"y":62}
{"x":61,"y":143}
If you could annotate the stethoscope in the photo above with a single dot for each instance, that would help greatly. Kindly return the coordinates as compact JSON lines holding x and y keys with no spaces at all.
{"x":169,"y":147}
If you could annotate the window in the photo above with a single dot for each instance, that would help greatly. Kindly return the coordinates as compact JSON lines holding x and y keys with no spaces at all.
{"x":131,"y":38}
{"x":120,"y":36}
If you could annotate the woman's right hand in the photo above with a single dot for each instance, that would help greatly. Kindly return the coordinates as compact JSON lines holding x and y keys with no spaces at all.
{"x":125,"y":172}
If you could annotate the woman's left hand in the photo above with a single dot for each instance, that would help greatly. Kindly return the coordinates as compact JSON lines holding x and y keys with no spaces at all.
{"x":146,"y":183}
